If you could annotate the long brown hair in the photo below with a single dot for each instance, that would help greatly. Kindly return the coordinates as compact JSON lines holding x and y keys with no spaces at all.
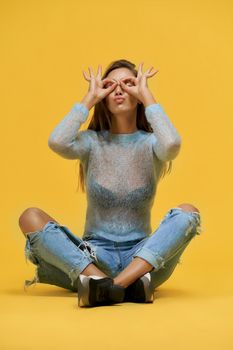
{"x":101,"y":118}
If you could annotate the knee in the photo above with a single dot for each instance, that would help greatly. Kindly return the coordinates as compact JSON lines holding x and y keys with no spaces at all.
{"x":28,"y":214}
{"x":188,"y":207}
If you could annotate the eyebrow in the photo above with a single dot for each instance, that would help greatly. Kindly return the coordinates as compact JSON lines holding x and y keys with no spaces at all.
{"x":120,"y":78}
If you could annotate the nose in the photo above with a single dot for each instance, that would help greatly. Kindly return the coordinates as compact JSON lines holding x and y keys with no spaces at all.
{"x":118,"y":88}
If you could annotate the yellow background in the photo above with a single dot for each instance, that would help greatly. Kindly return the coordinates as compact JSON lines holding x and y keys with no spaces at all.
{"x":45,"y":45}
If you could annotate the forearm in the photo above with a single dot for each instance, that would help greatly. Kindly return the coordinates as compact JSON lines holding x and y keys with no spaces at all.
{"x":66,"y":130}
{"x":88,"y":101}
{"x":168,"y":140}
{"x":148,"y":99}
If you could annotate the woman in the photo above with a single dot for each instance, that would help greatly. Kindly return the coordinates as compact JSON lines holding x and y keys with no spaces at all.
{"x":123,"y":154}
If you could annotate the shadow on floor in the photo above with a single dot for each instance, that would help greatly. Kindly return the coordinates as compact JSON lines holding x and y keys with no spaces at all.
{"x":53,"y":291}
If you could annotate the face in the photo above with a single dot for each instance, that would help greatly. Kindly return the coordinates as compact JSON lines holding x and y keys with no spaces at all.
{"x":129,"y":103}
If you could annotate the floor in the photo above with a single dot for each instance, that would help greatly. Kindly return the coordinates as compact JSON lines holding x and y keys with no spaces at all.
{"x":192,"y":310}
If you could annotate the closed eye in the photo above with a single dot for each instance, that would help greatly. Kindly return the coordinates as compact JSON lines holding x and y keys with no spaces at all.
{"x":107,"y":85}
{"x":127,"y":82}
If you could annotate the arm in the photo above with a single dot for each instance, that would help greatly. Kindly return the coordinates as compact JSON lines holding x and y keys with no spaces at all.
{"x":167,"y":141}
{"x":66,"y":140}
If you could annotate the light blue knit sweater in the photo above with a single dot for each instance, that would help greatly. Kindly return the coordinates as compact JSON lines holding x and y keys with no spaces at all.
{"x":121,"y":170}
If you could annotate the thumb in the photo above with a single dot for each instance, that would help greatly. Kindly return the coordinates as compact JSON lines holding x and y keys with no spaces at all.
{"x":124,"y":86}
{"x":110,"y":88}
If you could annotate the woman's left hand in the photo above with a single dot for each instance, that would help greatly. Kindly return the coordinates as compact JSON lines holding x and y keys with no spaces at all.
{"x":139,"y":89}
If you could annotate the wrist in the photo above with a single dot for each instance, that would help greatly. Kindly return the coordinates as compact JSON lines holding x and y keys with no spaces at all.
{"x":148,"y":99}
{"x":88,"y":101}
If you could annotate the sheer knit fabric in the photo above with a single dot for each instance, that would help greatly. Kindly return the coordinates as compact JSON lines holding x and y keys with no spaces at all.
{"x":121,"y":170}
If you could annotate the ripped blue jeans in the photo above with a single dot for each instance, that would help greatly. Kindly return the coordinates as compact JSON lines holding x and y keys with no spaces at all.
{"x":60,"y":256}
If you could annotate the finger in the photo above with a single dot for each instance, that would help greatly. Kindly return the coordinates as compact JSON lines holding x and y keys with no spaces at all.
{"x":85,"y":76}
{"x":152,"y":74}
{"x":140,"y":68}
{"x":91,"y":72}
{"x":124,"y":86}
{"x":132,"y":80}
{"x":99,"y":73}
{"x":111,"y":88}
{"x":148,"y":70}
{"x":107,"y":79}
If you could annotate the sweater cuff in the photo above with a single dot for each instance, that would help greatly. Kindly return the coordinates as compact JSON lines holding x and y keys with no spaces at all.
{"x":149,"y":110}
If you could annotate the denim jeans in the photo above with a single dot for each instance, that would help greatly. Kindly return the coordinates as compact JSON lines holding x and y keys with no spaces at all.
{"x":60,"y":256}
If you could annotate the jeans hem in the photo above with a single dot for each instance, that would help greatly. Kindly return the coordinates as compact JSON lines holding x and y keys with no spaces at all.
{"x":154,"y":259}
{"x":76,"y":271}
{"x":73,"y":274}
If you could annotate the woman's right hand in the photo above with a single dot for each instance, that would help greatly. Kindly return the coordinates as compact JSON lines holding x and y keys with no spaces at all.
{"x":97,"y":90}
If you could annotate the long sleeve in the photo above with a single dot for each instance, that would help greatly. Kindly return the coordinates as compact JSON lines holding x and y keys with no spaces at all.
{"x":167,"y":141}
{"x":66,"y":140}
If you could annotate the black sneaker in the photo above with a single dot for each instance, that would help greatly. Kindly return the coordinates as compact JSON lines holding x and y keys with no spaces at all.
{"x":140,"y":291}
{"x":96,"y":291}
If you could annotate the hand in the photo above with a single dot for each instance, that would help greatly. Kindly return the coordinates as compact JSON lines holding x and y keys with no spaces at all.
{"x":139,"y":88}
{"x":97,"y":90}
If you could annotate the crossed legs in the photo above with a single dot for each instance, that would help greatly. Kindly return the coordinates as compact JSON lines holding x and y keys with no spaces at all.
{"x":33,"y":219}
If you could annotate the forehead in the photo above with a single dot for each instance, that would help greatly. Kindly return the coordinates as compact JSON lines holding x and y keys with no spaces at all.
{"x":120,"y":73}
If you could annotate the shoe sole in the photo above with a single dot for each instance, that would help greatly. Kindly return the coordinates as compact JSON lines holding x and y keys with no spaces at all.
{"x":149,"y":295}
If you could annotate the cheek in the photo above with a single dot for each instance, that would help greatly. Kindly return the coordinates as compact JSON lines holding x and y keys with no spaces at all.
{"x":108,"y":101}
{"x":133,"y":101}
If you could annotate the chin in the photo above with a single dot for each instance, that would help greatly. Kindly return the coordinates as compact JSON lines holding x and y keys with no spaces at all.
{"x":123,"y":108}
